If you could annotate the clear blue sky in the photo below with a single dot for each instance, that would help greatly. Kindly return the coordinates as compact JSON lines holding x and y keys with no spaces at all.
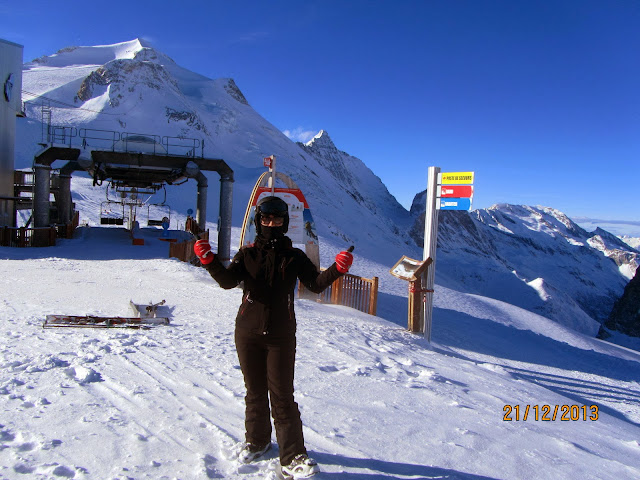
{"x":540,"y":98}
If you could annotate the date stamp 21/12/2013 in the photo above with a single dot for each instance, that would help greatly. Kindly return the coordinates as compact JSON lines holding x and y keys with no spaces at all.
{"x":550,"y":413}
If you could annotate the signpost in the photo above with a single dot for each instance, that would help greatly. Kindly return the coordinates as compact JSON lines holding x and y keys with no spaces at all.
{"x":445,"y":191}
{"x":430,"y":241}
{"x":456,"y":189}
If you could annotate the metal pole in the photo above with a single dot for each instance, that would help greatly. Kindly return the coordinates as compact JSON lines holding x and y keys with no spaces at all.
{"x":201,"y":201}
{"x":430,"y":244}
{"x":272,"y":169}
{"x":224,"y":225}
{"x":64,"y":196}
{"x":41,"y":193}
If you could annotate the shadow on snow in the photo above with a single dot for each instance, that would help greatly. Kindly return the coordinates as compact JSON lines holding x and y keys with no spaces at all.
{"x":382,"y":470}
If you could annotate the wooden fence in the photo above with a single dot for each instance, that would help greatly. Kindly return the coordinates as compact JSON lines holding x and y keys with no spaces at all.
{"x":22,"y":237}
{"x":184,"y":250}
{"x":349,"y":290}
{"x":192,"y":226}
{"x":66,"y":230}
{"x":28,"y":237}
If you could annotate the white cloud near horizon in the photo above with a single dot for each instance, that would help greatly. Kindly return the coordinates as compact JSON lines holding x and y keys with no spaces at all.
{"x":300,"y":134}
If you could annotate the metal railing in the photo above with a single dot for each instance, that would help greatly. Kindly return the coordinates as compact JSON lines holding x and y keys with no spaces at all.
{"x":125,"y":141}
{"x":61,"y":135}
{"x":105,"y":139}
{"x":182,"y":146}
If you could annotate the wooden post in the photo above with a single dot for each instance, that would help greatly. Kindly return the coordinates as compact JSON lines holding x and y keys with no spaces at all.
{"x":22,"y":237}
{"x":336,"y":292}
{"x":347,"y":285}
{"x":412,"y":271}
{"x":416,"y":307}
{"x":373,"y":297}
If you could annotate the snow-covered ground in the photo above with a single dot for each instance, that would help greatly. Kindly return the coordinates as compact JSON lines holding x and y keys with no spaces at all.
{"x":377,"y":402}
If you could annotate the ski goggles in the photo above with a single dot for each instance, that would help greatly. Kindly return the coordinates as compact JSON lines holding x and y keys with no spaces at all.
{"x":269,"y":219}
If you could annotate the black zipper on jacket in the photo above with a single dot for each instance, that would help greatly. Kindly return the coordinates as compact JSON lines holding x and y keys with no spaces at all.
{"x":244,"y":302}
{"x":282,"y":267}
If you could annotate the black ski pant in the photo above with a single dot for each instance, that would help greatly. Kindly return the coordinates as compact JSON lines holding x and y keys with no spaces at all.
{"x":267,"y":363}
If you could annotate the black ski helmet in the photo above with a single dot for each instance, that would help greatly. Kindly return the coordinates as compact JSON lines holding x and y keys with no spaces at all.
{"x":272,"y":206}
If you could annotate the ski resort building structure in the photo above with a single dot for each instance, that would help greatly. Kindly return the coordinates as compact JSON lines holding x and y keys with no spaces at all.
{"x":10,"y":105}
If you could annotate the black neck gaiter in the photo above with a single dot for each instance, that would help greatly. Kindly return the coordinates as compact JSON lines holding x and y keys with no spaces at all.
{"x":272,"y":233}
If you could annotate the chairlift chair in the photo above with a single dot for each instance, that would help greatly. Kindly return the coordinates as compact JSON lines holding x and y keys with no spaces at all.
{"x":165,"y":209}
{"x":154,"y":222}
{"x":112,"y":210}
{"x":111,"y":213}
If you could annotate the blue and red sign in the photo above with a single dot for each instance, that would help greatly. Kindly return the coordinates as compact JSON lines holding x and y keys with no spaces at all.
{"x":454,"y":204}
{"x":457,"y":191}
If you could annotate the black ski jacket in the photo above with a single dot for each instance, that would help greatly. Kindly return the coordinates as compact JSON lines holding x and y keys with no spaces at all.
{"x":269,"y":270}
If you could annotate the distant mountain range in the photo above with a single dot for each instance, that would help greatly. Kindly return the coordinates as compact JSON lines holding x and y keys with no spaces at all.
{"x":533,"y":257}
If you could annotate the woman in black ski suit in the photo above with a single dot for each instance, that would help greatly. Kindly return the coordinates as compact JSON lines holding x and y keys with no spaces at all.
{"x":265,"y":329}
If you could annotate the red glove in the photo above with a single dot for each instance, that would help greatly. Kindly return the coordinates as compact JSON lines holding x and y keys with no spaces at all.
{"x":203,"y":250}
{"x":344,"y":261}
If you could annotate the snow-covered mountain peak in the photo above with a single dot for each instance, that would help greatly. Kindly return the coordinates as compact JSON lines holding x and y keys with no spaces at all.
{"x":321,"y":140}
{"x":626,"y":257}
{"x":150,"y":54}
{"x":332,"y":158}
{"x":532,"y":256}
{"x":541,"y":219}
{"x":107,"y":82}
{"x":98,"y":75}
{"x":610,"y":239}
{"x":97,"y":55}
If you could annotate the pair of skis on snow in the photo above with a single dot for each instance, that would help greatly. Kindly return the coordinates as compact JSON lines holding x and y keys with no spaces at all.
{"x":146,"y":317}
